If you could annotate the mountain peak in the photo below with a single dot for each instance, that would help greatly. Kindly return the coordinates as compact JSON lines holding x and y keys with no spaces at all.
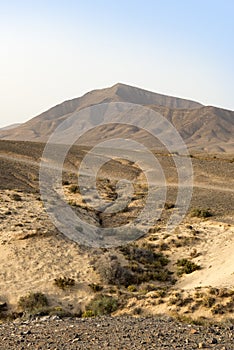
{"x":128,"y":93}
{"x":202,"y":127}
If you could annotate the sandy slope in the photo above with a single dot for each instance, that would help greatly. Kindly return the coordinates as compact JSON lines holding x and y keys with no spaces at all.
{"x":216,"y":257}
{"x":33,"y":254}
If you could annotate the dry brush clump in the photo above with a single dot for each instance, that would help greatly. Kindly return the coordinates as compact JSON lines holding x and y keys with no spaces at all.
{"x":96,"y":287}
{"x":33,"y":302}
{"x":101,"y":305}
{"x":186,"y":266}
{"x":201,"y":213}
{"x":178,"y":300}
{"x":113,"y":272}
{"x":73,"y":188}
{"x":64,"y":282}
{"x":146,"y":264}
{"x":16,"y":197}
{"x":38,"y":304}
{"x":134,"y":265}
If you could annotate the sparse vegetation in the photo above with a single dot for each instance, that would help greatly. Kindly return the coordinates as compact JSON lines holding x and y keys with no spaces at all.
{"x":96,"y":287}
{"x":33,"y":302}
{"x":169,"y":205}
{"x":200,"y":213}
{"x":112,"y":272}
{"x":101,"y":305}
{"x":88,"y":313}
{"x":16,"y":197}
{"x":64,"y":282}
{"x":145,"y":264}
{"x":186,"y":266}
{"x":65,"y":182}
{"x":208,"y":301}
{"x":132,"y":288}
{"x":218,"y":309}
{"x":74,"y":188}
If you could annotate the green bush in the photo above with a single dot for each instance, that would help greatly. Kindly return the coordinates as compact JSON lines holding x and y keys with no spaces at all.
{"x":146,"y":264}
{"x":144,"y":255}
{"x":102,"y":305}
{"x":200,"y":213}
{"x":88,"y":313}
{"x":132,"y":288}
{"x":33,"y":302}
{"x":186,"y":266}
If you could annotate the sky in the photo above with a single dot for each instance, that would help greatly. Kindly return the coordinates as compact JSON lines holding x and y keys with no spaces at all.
{"x":51,"y":51}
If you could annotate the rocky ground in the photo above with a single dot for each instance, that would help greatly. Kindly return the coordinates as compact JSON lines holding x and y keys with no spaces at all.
{"x":118,"y":333}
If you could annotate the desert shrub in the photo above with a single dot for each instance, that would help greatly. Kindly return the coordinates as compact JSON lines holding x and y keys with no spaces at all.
{"x":163,"y":276}
{"x":169,"y":205}
{"x":102,"y":305}
{"x":230,"y":306}
{"x":72,"y":202}
{"x":198,"y":294}
{"x":200,"y":213}
{"x":225,"y":293}
{"x":186,"y":266}
{"x":96,"y":287}
{"x":218,"y":309}
{"x":194,"y":253}
{"x":178,"y":300}
{"x":16,"y":197}
{"x":73,"y":188}
{"x":221,"y":309}
{"x":33,"y":302}
{"x":208,"y":301}
{"x":3,"y":306}
{"x":64,"y":282}
{"x":65,"y":182}
{"x":147,"y":287}
{"x":163,"y":246}
{"x":214,"y":291}
{"x":161,"y":293}
{"x":144,"y":255}
{"x":112,"y":272}
{"x":137,"y":311}
{"x":88,"y":313}
{"x":132,"y":288}
{"x":3,"y":310}
{"x":146,"y":264}
{"x":59,"y":311}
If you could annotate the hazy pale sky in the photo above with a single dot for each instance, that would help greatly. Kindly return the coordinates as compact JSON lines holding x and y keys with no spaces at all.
{"x":51,"y":51}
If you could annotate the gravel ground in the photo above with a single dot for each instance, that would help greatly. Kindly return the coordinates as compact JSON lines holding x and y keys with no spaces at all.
{"x":114,"y":333}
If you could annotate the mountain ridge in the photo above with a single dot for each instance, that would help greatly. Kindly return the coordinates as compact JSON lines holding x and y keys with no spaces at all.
{"x":203,"y":128}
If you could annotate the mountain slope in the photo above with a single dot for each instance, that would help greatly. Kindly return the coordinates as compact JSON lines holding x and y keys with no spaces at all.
{"x":203,"y":128}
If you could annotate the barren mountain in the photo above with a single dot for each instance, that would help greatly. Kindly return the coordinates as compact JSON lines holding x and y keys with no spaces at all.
{"x":11,"y":126}
{"x":203,"y":128}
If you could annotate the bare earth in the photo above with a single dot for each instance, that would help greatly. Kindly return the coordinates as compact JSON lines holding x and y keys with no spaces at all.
{"x":33,"y":254}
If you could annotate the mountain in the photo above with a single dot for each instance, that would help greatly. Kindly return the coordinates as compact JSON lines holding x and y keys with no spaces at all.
{"x":203,"y":128}
{"x":12,"y":126}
